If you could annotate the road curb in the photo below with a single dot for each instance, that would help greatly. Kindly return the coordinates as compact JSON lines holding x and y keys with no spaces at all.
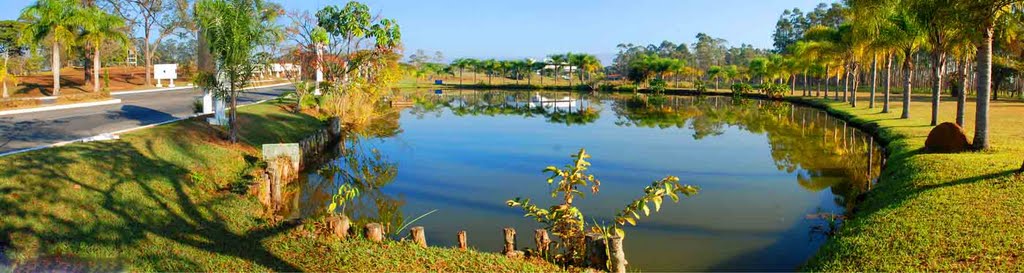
{"x":150,"y":90}
{"x":59,"y":107}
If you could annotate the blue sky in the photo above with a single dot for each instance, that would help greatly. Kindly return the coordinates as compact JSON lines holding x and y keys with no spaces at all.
{"x":535,"y":28}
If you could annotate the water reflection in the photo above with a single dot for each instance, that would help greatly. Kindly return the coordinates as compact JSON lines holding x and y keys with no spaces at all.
{"x":776,"y":177}
{"x":358,"y":165}
{"x":823,"y":152}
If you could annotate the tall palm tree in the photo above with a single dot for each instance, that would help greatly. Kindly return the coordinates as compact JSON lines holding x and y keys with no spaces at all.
{"x":937,"y":17}
{"x":99,"y":27}
{"x":904,"y":32}
{"x":557,"y":61}
{"x":981,"y":15}
{"x":56,"y":21}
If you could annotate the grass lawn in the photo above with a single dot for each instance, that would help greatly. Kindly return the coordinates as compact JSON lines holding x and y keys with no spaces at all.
{"x":158,"y":200}
{"x":930,"y":212}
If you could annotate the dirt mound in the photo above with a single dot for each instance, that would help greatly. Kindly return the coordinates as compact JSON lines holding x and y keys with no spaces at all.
{"x":946,"y":138}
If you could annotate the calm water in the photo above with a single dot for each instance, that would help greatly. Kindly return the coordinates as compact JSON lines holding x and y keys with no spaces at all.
{"x":772,"y":175}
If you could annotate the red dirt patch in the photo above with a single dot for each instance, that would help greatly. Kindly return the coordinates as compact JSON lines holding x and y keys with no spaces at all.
{"x":72,"y":81}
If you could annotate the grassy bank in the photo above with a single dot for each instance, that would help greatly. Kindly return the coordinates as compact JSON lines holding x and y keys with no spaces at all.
{"x":160,"y":199}
{"x":935,"y":211}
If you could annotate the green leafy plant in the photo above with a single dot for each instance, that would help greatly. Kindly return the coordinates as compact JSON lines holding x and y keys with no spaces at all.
{"x":197,"y":106}
{"x":346,"y":192}
{"x":774,"y":90}
{"x":700,"y":86}
{"x":658,"y":86}
{"x":741,"y":88}
{"x":566,"y":221}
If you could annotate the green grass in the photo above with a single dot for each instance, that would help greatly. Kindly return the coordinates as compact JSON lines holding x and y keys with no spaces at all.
{"x":929,"y":212}
{"x":158,"y":200}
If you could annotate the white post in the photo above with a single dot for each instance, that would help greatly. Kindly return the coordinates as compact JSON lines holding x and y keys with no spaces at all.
{"x":207,"y":102}
{"x":172,"y":83}
{"x":158,"y":83}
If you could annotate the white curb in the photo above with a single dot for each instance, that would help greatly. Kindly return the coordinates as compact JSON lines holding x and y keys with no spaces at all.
{"x":59,"y":107}
{"x":150,"y":90}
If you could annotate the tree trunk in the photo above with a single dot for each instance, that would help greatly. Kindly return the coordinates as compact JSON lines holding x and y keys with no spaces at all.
{"x":874,"y":81}
{"x":807,"y":86}
{"x":149,"y":57}
{"x":961,"y":100}
{"x":888,"y":83}
{"x":96,"y":69}
{"x":792,"y":87}
{"x":827,"y":80}
{"x":908,"y":76}
{"x":233,"y":117}
{"x":984,"y":80}
{"x":854,"y":84}
{"x":846,"y":85}
{"x":938,"y":68}
{"x":55,"y":67}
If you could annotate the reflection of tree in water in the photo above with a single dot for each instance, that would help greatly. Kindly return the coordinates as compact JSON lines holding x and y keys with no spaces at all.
{"x":366,"y":169}
{"x":507,"y":103}
{"x":823,"y":152}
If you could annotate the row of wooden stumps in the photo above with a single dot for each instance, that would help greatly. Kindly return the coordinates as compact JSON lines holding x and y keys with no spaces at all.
{"x":601,"y":254}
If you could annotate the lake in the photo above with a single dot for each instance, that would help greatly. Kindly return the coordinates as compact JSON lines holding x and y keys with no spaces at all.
{"x":775,"y":179}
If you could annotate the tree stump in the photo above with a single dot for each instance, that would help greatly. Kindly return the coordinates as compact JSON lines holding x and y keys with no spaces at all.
{"x":462,"y":240}
{"x":374,"y":232}
{"x":594,"y":255}
{"x":339,"y":226}
{"x":510,"y":244}
{"x":540,"y":237}
{"x":419,"y":236}
{"x":618,"y":255}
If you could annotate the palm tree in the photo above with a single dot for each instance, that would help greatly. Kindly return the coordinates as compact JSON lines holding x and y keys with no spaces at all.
{"x":557,"y":60}
{"x":982,"y":15}
{"x":461,"y":65}
{"x":101,"y":27}
{"x":56,"y":21}
{"x":937,"y":16}
{"x":489,"y":66}
{"x":904,"y":33}
{"x":715,"y":73}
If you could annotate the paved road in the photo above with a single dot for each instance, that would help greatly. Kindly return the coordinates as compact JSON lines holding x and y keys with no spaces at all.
{"x":29,"y":130}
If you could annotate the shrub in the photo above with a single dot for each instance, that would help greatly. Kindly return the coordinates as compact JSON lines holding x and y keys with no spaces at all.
{"x":774,"y":90}
{"x":197,"y":105}
{"x":741,"y":88}
{"x":568,"y":223}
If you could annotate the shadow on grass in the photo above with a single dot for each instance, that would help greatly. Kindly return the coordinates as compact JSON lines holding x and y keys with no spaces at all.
{"x":141,"y":210}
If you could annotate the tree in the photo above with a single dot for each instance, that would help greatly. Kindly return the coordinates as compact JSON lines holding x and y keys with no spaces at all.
{"x":903,"y":32}
{"x":981,"y":15}
{"x":99,"y":27}
{"x":157,"y":18}
{"x":9,"y":33}
{"x":716,"y":73}
{"x":233,"y":29}
{"x":56,"y":21}
{"x":558,"y":61}
{"x":937,"y":16}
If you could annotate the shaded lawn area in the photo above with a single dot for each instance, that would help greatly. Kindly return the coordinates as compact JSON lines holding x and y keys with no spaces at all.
{"x":935,"y":211}
{"x":156,"y":200}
